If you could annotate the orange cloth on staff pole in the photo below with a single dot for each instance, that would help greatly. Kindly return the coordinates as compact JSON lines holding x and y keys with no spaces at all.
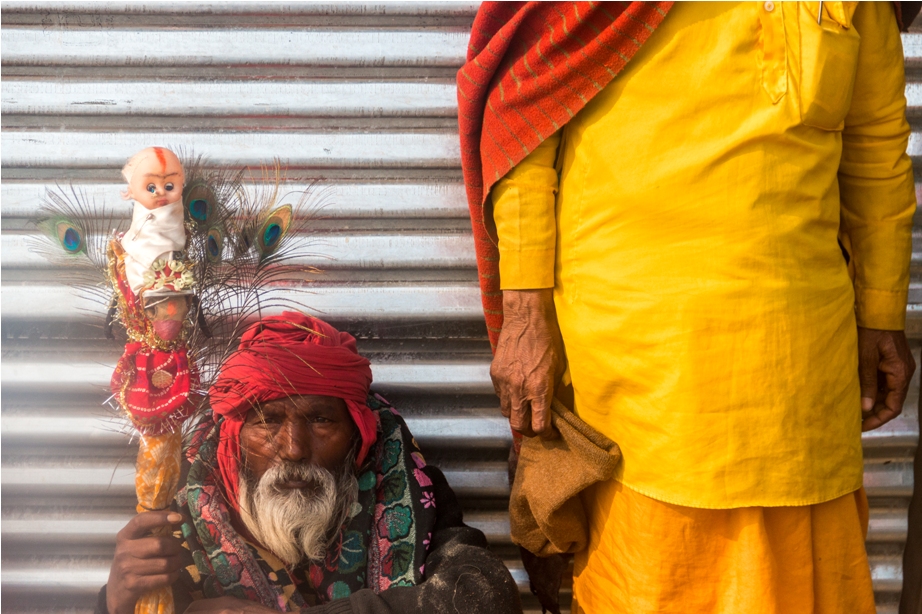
{"x":649,"y":557}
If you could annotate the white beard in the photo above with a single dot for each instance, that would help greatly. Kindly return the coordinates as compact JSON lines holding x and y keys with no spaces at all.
{"x":297,"y":523}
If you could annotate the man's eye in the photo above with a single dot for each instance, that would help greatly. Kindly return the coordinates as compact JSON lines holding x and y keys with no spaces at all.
{"x":320,"y":420}
{"x":151,"y":188}
{"x":169,"y":187}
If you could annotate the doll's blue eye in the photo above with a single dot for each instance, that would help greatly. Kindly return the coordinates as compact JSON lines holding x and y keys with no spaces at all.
{"x":151,"y":188}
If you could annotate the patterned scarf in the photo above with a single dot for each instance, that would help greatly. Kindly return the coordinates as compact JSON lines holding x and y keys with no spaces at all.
{"x":382,"y":544}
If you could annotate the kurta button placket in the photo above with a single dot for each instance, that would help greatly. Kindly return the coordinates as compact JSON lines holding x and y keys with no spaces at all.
{"x":774,"y":52}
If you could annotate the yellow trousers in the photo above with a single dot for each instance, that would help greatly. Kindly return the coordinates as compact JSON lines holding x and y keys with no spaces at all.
{"x":646,"y":556}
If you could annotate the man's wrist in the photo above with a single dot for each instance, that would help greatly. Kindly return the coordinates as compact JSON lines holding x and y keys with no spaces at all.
{"x":525,"y":303}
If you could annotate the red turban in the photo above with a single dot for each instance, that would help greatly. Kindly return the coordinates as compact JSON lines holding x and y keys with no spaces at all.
{"x":285,"y":355}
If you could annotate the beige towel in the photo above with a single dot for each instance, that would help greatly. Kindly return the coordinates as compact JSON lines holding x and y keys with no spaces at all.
{"x":546,"y":514}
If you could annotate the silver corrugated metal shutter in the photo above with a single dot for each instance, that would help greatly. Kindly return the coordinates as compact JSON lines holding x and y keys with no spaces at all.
{"x":360,"y":95}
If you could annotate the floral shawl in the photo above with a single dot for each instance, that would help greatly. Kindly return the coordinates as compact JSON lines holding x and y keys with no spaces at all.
{"x":382,"y":544}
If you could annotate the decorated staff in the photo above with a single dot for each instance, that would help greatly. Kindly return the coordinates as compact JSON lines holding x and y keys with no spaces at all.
{"x":183,"y":281}
{"x":153,"y":282}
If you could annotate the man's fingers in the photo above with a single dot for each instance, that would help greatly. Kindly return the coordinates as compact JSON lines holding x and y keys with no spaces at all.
{"x":878,"y":417}
{"x":145,"y":522}
{"x":896,"y":392}
{"x":541,"y":419}
{"x":868,"y":362}
{"x":144,"y":584}
{"x":520,"y":419}
{"x":884,"y":390}
{"x":505,"y":406}
{"x":153,"y":547}
{"x":144,"y":567}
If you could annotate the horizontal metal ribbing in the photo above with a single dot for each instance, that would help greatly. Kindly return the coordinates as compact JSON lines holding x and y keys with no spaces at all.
{"x":334,"y":200}
{"x":248,"y":47}
{"x":470,"y":479}
{"x":430,"y":301}
{"x":20,"y":532}
{"x":326,"y":251}
{"x":474,"y":432}
{"x":89,"y":378}
{"x":310,"y":150}
{"x":246,"y":97}
{"x":87,"y":576}
{"x":177,"y":10}
{"x":287,"y":99}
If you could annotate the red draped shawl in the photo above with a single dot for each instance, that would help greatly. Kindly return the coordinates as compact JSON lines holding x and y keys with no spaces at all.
{"x":531,"y":66}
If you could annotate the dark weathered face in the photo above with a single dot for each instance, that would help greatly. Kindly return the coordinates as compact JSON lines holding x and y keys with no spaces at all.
{"x":311,"y":428}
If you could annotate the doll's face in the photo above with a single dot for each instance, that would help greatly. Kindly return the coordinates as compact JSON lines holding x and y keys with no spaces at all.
{"x":167,"y":314}
{"x":157,"y":180}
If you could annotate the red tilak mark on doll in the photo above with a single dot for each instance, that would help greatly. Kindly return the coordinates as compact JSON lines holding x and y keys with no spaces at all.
{"x":161,"y":157}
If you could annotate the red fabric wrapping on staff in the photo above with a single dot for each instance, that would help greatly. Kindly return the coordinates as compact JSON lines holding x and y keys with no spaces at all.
{"x":531,"y":66}
{"x":286,"y":355}
{"x":154,"y":387}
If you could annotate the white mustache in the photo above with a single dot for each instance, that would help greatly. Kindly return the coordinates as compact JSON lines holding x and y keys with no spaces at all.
{"x":296,"y":523}
{"x":292,"y":471}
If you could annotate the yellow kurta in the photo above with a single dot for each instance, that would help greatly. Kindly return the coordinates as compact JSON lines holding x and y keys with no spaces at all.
{"x":707,"y":312}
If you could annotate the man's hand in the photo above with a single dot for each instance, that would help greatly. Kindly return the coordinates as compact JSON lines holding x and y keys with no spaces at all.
{"x":143,"y":562}
{"x":885,"y":366}
{"x":529,"y":361}
{"x":227,"y":605}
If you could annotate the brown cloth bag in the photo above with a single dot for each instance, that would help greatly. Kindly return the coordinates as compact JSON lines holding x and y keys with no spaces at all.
{"x":546,"y":514}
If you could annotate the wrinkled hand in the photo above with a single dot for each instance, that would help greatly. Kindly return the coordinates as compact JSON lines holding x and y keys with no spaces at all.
{"x":529,"y":361}
{"x":885,"y":366}
{"x":227,"y":605}
{"x":143,"y":562}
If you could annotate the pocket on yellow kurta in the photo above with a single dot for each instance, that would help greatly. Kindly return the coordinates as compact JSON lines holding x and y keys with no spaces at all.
{"x":828,"y":54}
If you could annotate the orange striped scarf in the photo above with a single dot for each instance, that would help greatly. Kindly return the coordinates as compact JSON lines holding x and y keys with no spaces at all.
{"x":531,"y":66}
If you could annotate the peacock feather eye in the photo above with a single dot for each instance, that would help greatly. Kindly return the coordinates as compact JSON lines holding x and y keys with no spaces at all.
{"x":200,"y":201}
{"x":70,"y":237}
{"x":198,"y":208}
{"x":273,"y":229}
{"x":214,"y":244}
{"x":271,"y":235}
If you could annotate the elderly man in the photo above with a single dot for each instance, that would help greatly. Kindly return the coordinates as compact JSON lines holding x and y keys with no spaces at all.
{"x":307,"y":493}
{"x":668,"y":183}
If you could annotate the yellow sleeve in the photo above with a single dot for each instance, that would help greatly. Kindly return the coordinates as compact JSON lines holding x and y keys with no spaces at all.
{"x":875,"y":174}
{"x":526,"y":223}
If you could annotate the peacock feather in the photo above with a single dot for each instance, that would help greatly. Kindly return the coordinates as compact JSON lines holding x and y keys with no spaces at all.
{"x":241,"y":242}
{"x":214,"y":244}
{"x":69,"y":233}
{"x":273,"y":229}
{"x":200,"y":204}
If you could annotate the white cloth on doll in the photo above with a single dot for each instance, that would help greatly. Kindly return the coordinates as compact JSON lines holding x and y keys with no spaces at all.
{"x":153,"y":234}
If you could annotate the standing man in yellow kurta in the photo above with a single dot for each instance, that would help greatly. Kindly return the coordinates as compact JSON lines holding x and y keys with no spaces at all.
{"x":677,"y":246}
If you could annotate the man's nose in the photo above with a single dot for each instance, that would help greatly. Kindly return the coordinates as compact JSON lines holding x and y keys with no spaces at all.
{"x":294,"y":442}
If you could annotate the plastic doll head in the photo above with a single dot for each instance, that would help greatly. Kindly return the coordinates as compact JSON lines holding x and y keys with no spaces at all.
{"x":155,"y":177}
